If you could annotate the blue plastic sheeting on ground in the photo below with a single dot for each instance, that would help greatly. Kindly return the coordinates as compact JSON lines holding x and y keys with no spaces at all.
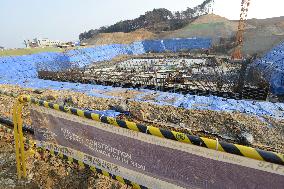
{"x":213,"y":103}
{"x":108,"y":113}
{"x":162,"y":98}
{"x":16,"y":67}
{"x":272,"y":68}
{"x":277,"y":83}
{"x":52,"y":62}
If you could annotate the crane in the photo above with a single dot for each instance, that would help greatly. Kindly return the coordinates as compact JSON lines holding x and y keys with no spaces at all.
{"x":237,"y":54}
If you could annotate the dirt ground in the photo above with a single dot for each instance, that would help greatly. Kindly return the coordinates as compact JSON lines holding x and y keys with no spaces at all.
{"x":45,"y":171}
{"x":120,"y":37}
{"x":265,"y":133}
{"x":52,"y":172}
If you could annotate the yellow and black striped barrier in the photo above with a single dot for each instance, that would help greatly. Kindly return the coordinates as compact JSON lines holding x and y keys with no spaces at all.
{"x":94,"y":169}
{"x":236,"y":149}
{"x":32,"y":144}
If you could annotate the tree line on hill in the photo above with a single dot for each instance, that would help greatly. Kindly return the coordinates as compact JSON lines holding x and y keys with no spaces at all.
{"x":157,"y":20}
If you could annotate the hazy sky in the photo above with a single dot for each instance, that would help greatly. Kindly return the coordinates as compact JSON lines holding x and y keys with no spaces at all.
{"x":66,"y":19}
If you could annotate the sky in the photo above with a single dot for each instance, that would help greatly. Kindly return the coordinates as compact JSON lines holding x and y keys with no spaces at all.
{"x":66,"y":19}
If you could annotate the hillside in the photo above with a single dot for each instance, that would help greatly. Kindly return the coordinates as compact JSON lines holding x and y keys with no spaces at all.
{"x":266,"y":34}
{"x":205,"y":26}
{"x":156,"y":21}
{"x":260,"y":34}
{"x":120,"y":37}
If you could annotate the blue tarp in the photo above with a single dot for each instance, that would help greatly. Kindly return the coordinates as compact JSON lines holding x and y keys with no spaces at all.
{"x":272,"y":68}
{"x":51,"y":61}
{"x":22,"y":71}
{"x":156,"y":46}
{"x":176,"y":45}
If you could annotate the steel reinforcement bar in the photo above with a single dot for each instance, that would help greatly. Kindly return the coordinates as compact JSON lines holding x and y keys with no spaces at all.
{"x":236,"y":149}
{"x":32,"y":144}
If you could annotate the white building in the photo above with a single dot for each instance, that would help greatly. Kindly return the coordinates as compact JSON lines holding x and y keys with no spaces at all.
{"x":42,"y":42}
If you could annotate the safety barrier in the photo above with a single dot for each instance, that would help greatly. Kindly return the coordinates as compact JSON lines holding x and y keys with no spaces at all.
{"x":195,"y":140}
{"x":31,"y":143}
{"x":172,"y":135}
{"x":162,"y":133}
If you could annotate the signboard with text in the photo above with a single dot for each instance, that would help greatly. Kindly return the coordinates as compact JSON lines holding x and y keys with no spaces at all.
{"x":149,"y":160}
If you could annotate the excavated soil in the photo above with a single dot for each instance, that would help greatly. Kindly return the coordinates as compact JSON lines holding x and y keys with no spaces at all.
{"x":45,"y":171}
{"x":120,"y":37}
{"x":262,"y":132}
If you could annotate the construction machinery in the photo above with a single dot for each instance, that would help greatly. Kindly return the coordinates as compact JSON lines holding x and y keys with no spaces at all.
{"x":237,"y":53}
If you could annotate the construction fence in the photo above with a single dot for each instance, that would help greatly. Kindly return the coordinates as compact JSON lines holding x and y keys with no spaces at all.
{"x":143,"y":156}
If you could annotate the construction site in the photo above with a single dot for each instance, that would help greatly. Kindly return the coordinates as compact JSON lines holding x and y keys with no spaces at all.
{"x":209,"y":79}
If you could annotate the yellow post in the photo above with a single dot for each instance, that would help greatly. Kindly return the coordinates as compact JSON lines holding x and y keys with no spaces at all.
{"x":19,"y":139}
{"x":16,"y":138}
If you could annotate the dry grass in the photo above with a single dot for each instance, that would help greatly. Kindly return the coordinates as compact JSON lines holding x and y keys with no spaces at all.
{"x":23,"y":51}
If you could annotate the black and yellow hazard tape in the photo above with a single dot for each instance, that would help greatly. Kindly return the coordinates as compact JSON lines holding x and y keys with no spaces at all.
{"x":236,"y":149}
{"x":31,"y":144}
{"x":97,"y":170}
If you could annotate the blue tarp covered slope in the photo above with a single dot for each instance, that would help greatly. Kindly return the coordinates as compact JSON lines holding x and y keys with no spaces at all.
{"x":176,"y":45}
{"x":27,"y":66}
{"x":272,"y":68}
{"x":22,"y":71}
{"x":50,"y":61}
